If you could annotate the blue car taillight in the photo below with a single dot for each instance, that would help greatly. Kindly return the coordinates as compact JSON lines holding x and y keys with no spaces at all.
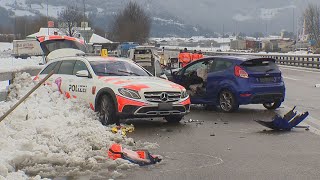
{"x":239,"y":72}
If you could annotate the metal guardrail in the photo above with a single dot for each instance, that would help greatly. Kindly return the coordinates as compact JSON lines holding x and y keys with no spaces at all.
{"x":10,"y":74}
{"x":301,"y":60}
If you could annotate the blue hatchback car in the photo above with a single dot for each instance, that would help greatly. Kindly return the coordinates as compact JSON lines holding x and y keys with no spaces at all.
{"x":230,"y":81}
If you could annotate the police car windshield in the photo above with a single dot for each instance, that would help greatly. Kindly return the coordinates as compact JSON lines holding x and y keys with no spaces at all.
{"x":117,"y":68}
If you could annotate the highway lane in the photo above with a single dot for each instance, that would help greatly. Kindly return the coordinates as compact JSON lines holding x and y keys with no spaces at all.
{"x":301,"y":91}
{"x":227,"y":146}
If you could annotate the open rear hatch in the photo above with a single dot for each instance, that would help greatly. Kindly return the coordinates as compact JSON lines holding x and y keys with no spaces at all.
{"x":54,"y":42}
{"x":143,"y":57}
{"x":262,"y":70}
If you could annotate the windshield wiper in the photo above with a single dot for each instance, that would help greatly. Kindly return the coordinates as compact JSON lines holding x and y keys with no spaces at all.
{"x":110,"y":73}
{"x":131,"y":73}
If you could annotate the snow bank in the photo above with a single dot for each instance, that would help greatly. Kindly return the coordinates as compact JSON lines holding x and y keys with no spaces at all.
{"x":5,"y":49}
{"x":6,"y":46}
{"x":49,"y":136}
{"x":11,"y":62}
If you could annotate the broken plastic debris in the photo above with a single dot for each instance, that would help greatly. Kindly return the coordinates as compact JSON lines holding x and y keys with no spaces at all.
{"x":317,"y":85}
{"x":123,"y":130}
{"x":287,"y":122}
{"x":196,"y":121}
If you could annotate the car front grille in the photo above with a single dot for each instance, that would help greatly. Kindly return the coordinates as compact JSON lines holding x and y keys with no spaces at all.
{"x":154,"y":111}
{"x":162,"y":96}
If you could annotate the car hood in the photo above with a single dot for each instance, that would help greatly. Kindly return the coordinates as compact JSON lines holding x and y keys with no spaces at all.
{"x":145,"y":84}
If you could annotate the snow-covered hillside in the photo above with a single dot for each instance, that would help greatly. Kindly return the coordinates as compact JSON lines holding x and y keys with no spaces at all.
{"x":22,"y":8}
{"x":102,"y":13}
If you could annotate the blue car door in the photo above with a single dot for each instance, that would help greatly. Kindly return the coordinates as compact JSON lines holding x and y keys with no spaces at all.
{"x":186,"y":77}
{"x":220,"y":75}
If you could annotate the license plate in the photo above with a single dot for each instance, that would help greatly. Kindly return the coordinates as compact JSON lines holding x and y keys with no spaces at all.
{"x":165,"y":106}
{"x":266,"y":79}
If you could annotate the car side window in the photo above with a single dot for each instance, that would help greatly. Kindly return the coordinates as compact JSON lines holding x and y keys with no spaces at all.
{"x":220,"y":65}
{"x":49,"y":68}
{"x":79,"y":65}
{"x":194,"y":67}
{"x":66,"y":67}
{"x":158,"y":69}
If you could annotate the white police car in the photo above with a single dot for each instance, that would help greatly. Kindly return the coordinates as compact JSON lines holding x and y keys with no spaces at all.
{"x":115,"y":87}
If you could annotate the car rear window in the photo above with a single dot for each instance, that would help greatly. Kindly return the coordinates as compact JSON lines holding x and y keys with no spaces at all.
{"x":143,"y":51}
{"x":260,"y":65}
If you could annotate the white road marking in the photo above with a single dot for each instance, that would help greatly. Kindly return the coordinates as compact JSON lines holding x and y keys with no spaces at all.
{"x":294,"y":79}
{"x":309,"y":121}
{"x":301,"y":70}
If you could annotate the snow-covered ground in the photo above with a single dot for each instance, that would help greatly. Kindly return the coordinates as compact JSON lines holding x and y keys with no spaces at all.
{"x":49,"y":135}
{"x":8,"y":63}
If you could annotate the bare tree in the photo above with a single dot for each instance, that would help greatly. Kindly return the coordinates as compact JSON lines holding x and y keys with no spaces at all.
{"x":311,"y":17}
{"x":69,"y":18}
{"x":131,"y":24}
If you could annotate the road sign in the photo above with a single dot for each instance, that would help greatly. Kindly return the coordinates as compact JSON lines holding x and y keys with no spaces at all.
{"x":50,"y":24}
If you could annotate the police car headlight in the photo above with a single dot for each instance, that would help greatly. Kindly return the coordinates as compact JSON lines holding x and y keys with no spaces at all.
{"x":129,"y":93}
{"x":184,"y":94}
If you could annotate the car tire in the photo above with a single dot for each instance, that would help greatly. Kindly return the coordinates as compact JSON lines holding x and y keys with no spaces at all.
{"x":227,"y":101}
{"x":272,"y":106}
{"x":107,"y":111}
{"x":173,"y":119}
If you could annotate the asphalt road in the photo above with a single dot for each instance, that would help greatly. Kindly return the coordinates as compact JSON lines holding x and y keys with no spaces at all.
{"x":302,"y":91}
{"x":233,"y":146}
{"x":228,"y":146}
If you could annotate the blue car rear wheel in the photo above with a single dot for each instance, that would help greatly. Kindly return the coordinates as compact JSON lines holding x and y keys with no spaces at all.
{"x":272,"y":106}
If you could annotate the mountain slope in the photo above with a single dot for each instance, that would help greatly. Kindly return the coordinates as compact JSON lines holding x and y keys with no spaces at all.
{"x":102,"y":13}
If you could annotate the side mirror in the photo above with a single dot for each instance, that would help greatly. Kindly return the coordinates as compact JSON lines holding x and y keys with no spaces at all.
{"x":163,"y":76}
{"x":173,"y":73}
{"x":82,"y":73}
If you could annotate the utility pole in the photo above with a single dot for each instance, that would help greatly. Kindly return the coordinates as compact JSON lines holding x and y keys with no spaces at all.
{"x":84,"y":22}
{"x":48,"y":17}
{"x":84,"y":14}
{"x":293,"y":21}
{"x":266,"y":28}
{"x":222,"y":37}
{"x":15,"y":19}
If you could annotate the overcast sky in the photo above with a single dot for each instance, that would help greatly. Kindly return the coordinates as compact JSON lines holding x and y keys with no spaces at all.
{"x":239,"y":15}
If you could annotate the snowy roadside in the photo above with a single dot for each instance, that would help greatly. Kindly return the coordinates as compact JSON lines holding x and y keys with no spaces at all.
{"x":51,"y":136}
{"x":9,"y":64}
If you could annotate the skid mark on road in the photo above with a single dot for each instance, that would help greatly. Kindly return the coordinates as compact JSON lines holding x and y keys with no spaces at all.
{"x":213,"y":161}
